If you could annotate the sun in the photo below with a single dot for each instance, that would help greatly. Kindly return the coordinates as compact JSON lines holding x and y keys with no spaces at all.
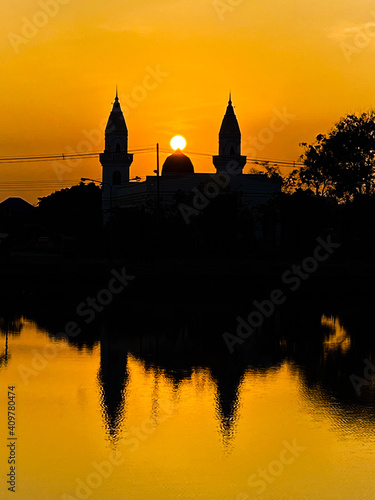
{"x":178,"y":142}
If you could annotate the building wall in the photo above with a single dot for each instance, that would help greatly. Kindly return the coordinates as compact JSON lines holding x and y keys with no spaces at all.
{"x":256,"y":189}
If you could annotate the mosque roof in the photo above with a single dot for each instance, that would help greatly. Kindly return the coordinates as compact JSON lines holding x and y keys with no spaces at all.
{"x":229,"y":125}
{"x":177,"y":164}
{"x":116,"y":122}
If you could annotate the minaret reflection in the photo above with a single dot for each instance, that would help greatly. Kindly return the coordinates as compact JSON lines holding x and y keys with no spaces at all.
{"x":227,"y":401}
{"x":113,"y":379}
{"x":155,"y":407}
{"x":185,"y":344}
{"x":171,"y":348}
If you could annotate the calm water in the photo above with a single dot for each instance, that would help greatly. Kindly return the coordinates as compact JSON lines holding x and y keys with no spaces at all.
{"x":151,"y":405}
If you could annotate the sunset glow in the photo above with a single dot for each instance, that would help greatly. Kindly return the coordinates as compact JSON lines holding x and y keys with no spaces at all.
{"x":296,"y":67}
{"x":178,"y":142}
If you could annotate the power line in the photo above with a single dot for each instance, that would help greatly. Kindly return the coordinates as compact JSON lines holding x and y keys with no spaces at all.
{"x":94,"y":154}
{"x":31,"y":185}
{"x":62,"y":156}
{"x":280,"y":163}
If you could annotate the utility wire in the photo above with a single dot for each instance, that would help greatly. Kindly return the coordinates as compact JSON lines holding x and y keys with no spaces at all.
{"x":280,"y":163}
{"x":62,"y":156}
{"x":93,"y":154}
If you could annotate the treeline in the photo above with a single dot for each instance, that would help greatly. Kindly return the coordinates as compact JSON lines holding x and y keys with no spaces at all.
{"x":332,"y":193}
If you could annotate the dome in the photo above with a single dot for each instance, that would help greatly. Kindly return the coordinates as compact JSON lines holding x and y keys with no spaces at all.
{"x":177,"y":164}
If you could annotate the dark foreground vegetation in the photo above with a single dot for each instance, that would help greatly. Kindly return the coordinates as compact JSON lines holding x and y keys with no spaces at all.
{"x":331,"y":196}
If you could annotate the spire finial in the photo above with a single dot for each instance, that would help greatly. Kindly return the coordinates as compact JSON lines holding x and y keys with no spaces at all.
{"x":116,"y":92}
{"x":230,"y":97}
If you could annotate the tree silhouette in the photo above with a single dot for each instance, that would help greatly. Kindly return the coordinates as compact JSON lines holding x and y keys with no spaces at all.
{"x":342,"y":163}
{"x":73,"y":212}
{"x":272,"y":171}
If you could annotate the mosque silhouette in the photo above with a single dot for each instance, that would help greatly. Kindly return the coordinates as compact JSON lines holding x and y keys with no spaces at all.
{"x":177,"y":173}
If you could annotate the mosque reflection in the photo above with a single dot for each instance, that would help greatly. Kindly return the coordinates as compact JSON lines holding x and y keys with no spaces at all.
{"x":173,"y":348}
{"x":324,"y":345}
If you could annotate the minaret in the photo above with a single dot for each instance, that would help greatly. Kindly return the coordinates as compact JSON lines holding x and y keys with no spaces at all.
{"x":115,"y":160}
{"x":229,"y":158}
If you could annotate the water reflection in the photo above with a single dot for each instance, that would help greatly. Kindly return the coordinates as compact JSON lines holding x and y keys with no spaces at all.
{"x":325,"y":346}
{"x":10,"y":325}
{"x":113,"y":378}
{"x":337,"y":338}
{"x":4,"y":356}
{"x":172,"y":353}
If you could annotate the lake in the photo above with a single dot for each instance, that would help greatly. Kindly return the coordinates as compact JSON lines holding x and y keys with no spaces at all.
{"x":148,"y":402}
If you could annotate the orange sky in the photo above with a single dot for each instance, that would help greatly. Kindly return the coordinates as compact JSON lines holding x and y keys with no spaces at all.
{"x":311,"y":62}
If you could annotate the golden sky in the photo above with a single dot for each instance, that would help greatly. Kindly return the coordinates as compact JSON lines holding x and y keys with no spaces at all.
{"x":174,"y":62}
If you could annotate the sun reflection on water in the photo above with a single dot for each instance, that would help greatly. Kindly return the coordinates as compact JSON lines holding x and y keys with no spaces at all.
{"x":338,"y":338}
